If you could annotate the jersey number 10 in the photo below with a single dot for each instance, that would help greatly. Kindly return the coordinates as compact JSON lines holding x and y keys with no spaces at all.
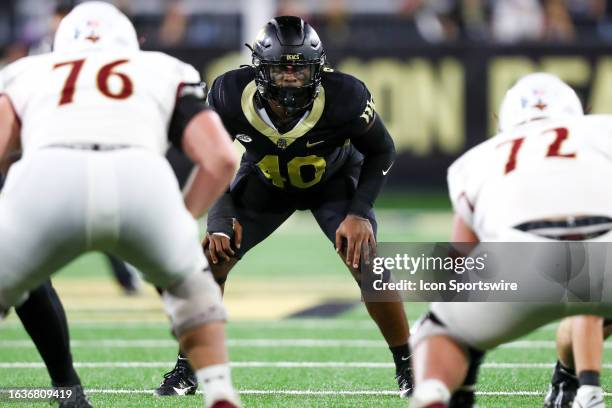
{"x":105,"y":72}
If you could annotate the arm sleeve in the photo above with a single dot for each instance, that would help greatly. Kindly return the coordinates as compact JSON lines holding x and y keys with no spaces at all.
{"x":378,"y":150}
{"x":191,"y":100}
{"x":221,"y":216}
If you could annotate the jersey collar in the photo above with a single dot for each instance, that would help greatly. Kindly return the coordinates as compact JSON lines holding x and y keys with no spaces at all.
{"x":300,"y":129}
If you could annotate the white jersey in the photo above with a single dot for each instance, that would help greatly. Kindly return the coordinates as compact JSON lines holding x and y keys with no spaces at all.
{"x":124,"y":98}
{"x":544,"y":170}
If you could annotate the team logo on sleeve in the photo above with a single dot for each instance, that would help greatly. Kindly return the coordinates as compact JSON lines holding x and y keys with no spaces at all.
{"x":244,"y":138}
{"x":368,"y":112}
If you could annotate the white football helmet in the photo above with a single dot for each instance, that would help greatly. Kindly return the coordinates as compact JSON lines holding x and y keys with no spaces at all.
{"x":538,"y":96}
{"x":95,"y":25}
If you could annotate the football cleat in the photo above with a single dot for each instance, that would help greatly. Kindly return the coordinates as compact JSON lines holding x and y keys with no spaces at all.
{"x":78,"y":400}
{"x":463,"y":398}
{"x":562,"y":388}
{"x":181,"y":380}
{"x":589,"y":396}
{"x":404,"y":381}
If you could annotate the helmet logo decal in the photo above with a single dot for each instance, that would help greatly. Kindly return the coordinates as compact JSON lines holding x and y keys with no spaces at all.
{"x":93,"y":37}
{"x":540,"y":105}
{"x":292,"y":57}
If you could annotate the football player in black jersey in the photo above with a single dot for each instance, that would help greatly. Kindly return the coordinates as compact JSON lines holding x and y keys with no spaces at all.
{"x":313,"y":142}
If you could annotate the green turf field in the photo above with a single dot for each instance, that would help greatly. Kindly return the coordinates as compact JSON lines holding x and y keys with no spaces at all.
{"x":122,"y":345}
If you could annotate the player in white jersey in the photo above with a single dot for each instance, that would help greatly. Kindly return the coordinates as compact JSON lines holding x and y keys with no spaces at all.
{"x":532,"y":182}
{"x":93,"y":119}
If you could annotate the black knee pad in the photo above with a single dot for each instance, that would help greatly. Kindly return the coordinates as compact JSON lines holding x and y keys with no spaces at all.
{"x":476,"y":359}
{"x":465,"y":397}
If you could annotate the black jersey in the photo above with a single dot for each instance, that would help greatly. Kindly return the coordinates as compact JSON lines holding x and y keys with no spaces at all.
{"x":315,"y":148}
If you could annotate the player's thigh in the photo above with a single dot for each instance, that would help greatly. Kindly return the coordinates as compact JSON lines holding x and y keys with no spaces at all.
{"x":42,"y":218}
{"x":257,"y":225}
{"x":260,"y":210}
{"x":156,"y":234}
{"x":487,"y":325}
{"x":332,"y":205}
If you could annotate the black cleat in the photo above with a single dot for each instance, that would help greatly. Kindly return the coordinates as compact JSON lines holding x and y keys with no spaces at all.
{"x":180,"y":381}
{"x":562,"y":389}
{"x":404,"y":380}
{"x":77,"y":400}
{"x":463,"y":398}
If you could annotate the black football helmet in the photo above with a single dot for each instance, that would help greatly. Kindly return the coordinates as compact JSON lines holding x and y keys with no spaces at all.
{"x":288,"y":58}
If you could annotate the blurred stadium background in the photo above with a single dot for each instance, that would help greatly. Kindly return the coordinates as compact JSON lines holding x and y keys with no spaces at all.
{"x":299,"y":337}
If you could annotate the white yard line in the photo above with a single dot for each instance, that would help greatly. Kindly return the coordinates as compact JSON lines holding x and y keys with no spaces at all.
{"x":315,"y":324}
{"x":320,"y":393}
{"x":306,"y":324}
{"x":262,"y":343}
{"x":266,"y":364}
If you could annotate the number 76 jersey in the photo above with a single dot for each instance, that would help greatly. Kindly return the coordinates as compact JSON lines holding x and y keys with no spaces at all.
{"x":544,"y":170}
{"x":95,"y":97}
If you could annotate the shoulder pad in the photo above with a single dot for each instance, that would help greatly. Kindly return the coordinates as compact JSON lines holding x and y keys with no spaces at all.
{"x":226,"y":91}
{"x":347,"y":98}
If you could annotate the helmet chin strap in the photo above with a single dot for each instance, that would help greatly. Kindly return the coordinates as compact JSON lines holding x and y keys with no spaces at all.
{"x":284,"y":112}
{"x":281,"y":111}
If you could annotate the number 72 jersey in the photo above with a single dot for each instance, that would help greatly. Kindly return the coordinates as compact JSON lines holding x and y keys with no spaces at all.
{"x":545,"y":169}
{"x":95,"y":97}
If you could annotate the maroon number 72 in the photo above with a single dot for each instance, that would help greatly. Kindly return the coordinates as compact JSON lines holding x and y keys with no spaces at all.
{"x":554,"y":149}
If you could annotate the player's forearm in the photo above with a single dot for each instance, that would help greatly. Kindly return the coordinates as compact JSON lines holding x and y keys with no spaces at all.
{"x":209,"y":146}
{"x":462,"y":231}
{"x":204,"y":189}
{"x":221,"y":215}
{"x":379,"y":154}
{"x":371,"y":181}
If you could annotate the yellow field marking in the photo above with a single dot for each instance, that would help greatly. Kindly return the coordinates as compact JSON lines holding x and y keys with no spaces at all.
{"x":245,"y":299}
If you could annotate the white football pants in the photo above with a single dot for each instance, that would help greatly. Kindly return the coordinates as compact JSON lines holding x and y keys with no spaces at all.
{"x":59,"y":203}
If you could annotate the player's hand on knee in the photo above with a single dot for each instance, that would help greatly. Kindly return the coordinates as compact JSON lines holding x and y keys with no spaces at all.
{"x":359,"y":237}
{"x":219,"y":244}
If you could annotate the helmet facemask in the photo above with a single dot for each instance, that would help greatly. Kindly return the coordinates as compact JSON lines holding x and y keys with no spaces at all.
{"x":291,"y":83}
